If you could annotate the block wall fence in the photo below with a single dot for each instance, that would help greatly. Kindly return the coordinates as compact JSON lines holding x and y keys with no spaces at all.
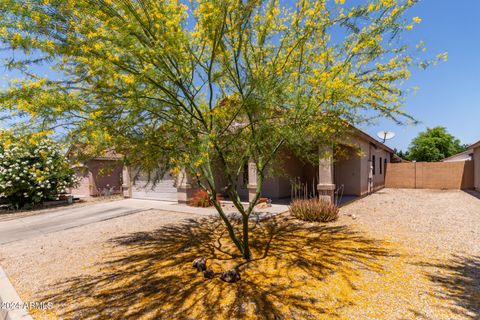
{"x":431,"y":175}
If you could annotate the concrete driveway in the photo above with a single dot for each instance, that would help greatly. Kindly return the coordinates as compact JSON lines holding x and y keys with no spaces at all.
{"x":58,"y":220}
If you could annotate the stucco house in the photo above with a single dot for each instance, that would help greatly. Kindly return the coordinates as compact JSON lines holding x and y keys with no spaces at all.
{"x":357,"y":174}
{"x":466,"y":155}
{"x":476,"y":158}
{"x":99,"y":176}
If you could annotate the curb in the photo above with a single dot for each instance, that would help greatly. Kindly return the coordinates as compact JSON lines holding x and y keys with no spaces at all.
{"x":9,"y":295}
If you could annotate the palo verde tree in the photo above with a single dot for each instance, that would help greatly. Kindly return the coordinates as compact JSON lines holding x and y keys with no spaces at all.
{"x":206,"y":86}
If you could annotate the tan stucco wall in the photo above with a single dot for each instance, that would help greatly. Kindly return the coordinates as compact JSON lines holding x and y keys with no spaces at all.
{"x":84,"y":178}
{"x":364,"y":166}
{"x":368,"y":150}
{"x":270,"y":188}
{"x":352,"y":171}
{"x":100,"y":175}
{"x":348,"y":173}
{"x":278,"y":183}
{"x":379,"y":177}
{"x":293,"y":168}
{"x":476,"y":160}
{"x":106,"y":174}
{"x":221,"y":181}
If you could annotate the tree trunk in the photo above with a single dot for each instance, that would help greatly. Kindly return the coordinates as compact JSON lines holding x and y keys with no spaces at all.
{"x":231,"y":232}
{"x":247,"y":255}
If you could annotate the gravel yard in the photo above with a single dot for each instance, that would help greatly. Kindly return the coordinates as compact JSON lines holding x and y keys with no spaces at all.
{"x":403,"y":254}
{"x":423,"y":220}
{"x":440,"y":231}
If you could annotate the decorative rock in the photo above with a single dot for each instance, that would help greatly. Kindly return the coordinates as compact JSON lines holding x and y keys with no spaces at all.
{"x":200,"y":264}
{"x":208,"y":274}
{"x":230,"y":276}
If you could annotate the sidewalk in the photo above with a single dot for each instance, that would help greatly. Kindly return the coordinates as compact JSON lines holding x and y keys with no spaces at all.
{"x":228,"y":207}
{"x":11,"y":306}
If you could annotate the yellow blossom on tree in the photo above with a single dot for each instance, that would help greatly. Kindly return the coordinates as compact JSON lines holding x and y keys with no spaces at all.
{"x":207,"y":86}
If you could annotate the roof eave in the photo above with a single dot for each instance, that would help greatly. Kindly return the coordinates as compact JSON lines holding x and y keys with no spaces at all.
{"x":371,"y":139}
{"x":475,"y":145}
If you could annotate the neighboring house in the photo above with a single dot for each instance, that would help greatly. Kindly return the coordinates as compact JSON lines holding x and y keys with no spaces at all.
{"x":99,"y":176}
{"x":359,"y":173}
{"x":476,"y":157}
{"x":466,"y":155}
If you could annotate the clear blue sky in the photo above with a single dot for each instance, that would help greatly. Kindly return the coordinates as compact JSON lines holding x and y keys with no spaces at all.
{"x":449,"y":93}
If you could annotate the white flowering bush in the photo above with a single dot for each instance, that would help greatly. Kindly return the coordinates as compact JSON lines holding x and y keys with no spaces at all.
{"x":32,"y":170}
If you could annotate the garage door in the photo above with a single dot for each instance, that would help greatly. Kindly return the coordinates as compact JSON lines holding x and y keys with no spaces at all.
{"x":163,"y":190}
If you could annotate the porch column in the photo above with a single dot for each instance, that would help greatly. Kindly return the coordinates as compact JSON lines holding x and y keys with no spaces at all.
{"x":326,"y":185}
{"x":252,"y":180}
{"x":126,"y":182}
{"x":186,"y":188}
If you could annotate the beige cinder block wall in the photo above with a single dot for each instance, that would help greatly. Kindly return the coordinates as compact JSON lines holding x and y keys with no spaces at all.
{"x":476,"y":157}
{"x":431,"y":175}
{"x":401,"y":175}
{"x":445,"y":175}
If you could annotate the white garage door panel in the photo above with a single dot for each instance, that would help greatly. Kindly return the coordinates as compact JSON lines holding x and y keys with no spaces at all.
{"x":163,"y":190}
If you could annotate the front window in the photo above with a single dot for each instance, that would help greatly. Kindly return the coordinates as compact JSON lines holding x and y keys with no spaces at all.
{"x":373,"y":164}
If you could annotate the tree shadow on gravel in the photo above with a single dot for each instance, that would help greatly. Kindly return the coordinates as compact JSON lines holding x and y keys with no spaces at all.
{"x":458,"y":282}
{"x":150,"y":274}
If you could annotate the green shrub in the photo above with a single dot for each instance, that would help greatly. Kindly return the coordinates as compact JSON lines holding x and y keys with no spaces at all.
{"x":314,"y":210}
{"x":33,"y":169}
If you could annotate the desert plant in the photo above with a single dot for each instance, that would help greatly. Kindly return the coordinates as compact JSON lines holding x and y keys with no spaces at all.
{"x":314,"y":210}
{"x":201,"y":199}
